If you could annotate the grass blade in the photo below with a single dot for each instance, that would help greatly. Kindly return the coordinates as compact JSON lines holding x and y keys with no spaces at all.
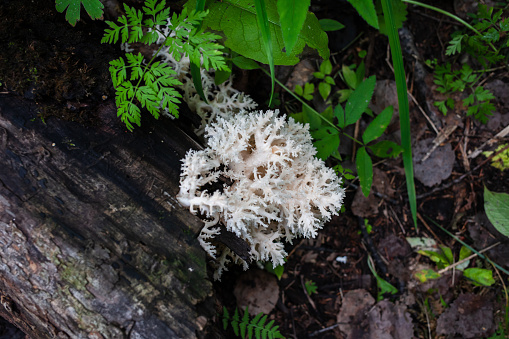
{"x":404,"y":111}
{"x":263,"y":23}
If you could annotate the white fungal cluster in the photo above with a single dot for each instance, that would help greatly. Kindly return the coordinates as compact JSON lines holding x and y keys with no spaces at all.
{"x":273,"y":188}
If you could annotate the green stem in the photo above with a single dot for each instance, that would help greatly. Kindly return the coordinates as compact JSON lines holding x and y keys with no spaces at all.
{"x":450,"y":15}
{"x":404,"y":111}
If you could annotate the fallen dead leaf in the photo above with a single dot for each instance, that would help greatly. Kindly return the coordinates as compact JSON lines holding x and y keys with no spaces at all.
{"x":437,"y":167}
{"x":389,"y":321}
{"x":258,"y":290}
{"x":469,"y":316}
{"x":354,"y":306}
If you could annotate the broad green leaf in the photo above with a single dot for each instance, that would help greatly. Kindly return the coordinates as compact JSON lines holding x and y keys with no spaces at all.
{"x":324,"y":89}
{"x":359,"y":100}
{"x":330,"y":25}
{"x":327,"y":142}
{"x":94,"y":9}
{"x":326,"y":67}
{"x":496,"y":206}
{"x":311,"y":117}
{"x":378,"y":126}
{"x":426,"y":274}
{"x":263,"y":24}
{"x":339,"y":113}
{"x":364,"y":170}
{"x":479,"y":276}
{"x":464,"y":253}
{"x":366,"y":9}
{"x":245,"y":39}
{"x":245,"y":63}
{"x":350,"y":77}
{"x":292,"y":15}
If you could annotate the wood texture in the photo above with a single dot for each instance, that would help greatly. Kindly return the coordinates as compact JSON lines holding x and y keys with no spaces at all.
{"x":92,"y":241}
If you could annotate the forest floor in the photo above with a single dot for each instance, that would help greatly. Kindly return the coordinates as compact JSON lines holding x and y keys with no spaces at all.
{"x":54,"y":68}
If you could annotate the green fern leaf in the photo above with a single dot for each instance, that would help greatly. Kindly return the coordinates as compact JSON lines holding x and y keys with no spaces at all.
{"x":235,"y":322}
{"x":454,"y":45}
{"x":111,"y":34}
{"x":226,"y":318}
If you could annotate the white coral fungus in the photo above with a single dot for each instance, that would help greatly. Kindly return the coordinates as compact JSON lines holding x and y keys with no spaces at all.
{"x":274,"y":188}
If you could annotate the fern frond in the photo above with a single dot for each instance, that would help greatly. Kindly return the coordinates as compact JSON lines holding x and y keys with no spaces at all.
{"x":254,"y":326}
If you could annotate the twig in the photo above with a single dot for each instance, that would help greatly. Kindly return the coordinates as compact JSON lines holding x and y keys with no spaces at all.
{"x":311,"y":302}
{"x":427,"y":227}
{"x":490,"y":142}
{"x":441,"y":137}
{"x":443,"y":270}
{"x":423,"y":112}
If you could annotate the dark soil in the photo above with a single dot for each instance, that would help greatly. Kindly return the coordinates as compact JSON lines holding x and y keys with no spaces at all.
{"x":64,"y":71}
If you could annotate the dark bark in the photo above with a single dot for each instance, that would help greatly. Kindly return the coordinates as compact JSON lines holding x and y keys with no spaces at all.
{"x":92,"y":241}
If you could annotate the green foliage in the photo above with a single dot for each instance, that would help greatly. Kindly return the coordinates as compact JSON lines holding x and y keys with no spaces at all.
{"x":390,"y":10}
{"x":277,"y":271}
{"x":488,"y":41}
{"x":292,"y":15}
{"x":249,"y":42}
{"x":151,"y":84}
{"x":326,"y":133}
{"x":496,"y":206}
{"x":329,"y":25}
{"x":443,"y":257}
{"x":398,"y":15}
{"x":479,"y":276}
{"x":384,"y":287}
{"x":311,"y":287}
{"x":94,"y":9}
{"x":245,"y":327}
{"x":324,"y":87}
{"x":366,"y":9}
{"x":477,"y":104}
{"x":501,"y":160}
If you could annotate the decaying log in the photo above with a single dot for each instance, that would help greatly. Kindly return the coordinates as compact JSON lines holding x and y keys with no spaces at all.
{"x":92,"y":241}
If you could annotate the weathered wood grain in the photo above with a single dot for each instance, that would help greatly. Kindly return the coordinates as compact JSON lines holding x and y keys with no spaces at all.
{"x":92,"y":241}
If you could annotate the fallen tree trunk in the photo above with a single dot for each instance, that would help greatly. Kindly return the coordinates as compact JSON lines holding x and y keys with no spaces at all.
{"x":92,"y":241}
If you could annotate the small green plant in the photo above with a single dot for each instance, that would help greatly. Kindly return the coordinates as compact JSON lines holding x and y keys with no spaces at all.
{"x":384,"y":287}
{"x":325,"y":127}
{"x":500,"y":161}
{"x":326,"y":83}
{"x":488,"y":41}
{"x":311,"y":287}
{"x":151,"y":84}
{"x":478,"y":103}
{"x":443,"y":258}
{"x":245,"y":327}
